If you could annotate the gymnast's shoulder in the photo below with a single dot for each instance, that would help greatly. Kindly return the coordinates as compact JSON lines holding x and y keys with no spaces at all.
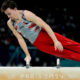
{"x":9,"y":21}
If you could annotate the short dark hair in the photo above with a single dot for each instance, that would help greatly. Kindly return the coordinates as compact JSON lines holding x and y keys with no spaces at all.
{"x":8,"y":4}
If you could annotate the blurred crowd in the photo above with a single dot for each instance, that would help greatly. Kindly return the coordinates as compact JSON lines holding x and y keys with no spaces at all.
{"x":64,"y":21}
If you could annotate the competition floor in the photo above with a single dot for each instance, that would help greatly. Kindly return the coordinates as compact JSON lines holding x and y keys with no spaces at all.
{"x":39,"y":73}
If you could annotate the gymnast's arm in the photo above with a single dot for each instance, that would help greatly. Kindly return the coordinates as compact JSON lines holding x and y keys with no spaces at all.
{"x":38,"y":21}
{"x":19,"y":38}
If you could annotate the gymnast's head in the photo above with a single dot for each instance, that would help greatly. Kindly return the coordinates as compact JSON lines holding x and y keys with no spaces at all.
{"x":9,"y":7}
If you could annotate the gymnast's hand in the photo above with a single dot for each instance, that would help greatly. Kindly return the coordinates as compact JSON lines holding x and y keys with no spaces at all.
{"x":27,"y":57}
{"x":58,"y":45}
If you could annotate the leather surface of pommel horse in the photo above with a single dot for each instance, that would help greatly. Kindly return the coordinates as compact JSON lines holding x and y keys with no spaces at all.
{"x":39,"y":73}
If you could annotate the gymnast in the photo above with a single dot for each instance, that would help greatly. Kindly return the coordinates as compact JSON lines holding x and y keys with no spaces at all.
{"x":24,"y":23}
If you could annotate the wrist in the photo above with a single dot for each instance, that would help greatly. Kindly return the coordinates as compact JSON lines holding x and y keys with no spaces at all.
{"x":55,"y":40}
{"x":28,"y":54}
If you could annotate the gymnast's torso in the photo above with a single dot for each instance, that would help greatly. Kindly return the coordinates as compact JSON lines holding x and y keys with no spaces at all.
{"x":28,"y":29}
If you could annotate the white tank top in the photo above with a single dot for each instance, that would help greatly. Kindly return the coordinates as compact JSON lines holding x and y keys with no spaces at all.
{"x":28,"y":29}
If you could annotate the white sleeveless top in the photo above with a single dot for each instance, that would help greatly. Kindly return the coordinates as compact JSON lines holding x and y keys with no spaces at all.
{"x":28,"y":29}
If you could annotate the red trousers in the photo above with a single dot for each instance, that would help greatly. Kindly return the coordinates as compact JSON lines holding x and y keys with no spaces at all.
{"x":71,"y":48}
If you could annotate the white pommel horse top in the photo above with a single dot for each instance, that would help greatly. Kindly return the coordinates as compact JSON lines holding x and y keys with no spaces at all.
{"x":39,"y":73}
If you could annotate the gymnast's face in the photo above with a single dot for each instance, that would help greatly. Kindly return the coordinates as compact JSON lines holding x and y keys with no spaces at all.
{"x":11,"y":13}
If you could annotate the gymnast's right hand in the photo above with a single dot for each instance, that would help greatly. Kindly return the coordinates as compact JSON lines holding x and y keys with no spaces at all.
{"x":27,"y":57}
{"x":58,"y":45}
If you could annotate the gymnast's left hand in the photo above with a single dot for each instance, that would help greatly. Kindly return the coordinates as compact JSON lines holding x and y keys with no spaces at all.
{"x":27,"y":57}
{"x":58,"y":45}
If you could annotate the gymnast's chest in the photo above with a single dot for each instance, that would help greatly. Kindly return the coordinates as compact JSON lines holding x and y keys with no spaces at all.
{"x":22,"y":26}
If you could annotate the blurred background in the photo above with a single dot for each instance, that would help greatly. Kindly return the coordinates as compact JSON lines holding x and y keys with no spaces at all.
{"x":65,"y":21}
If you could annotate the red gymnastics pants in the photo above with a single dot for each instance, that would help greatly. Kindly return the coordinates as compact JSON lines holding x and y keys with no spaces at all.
{"x":71,"y":48}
